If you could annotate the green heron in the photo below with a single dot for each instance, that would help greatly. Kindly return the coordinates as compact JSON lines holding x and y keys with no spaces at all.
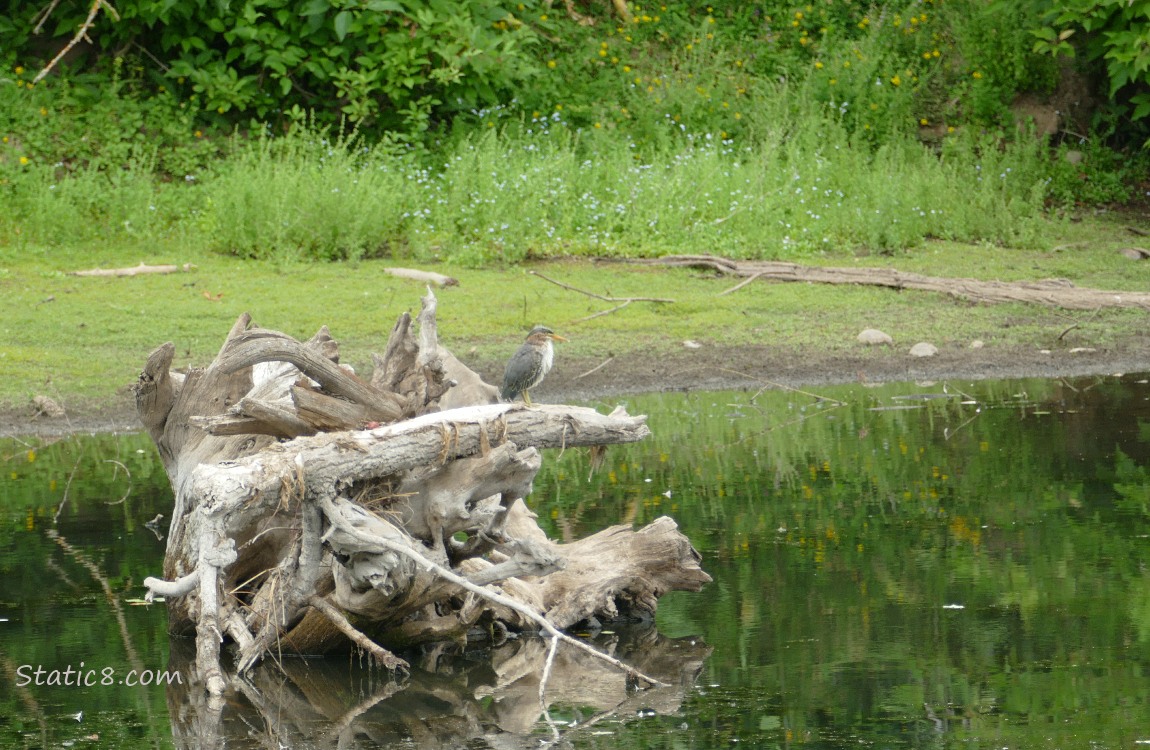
{"x":528,"y":366}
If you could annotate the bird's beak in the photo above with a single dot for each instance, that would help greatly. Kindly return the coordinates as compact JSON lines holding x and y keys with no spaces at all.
{"x":557,"y":337}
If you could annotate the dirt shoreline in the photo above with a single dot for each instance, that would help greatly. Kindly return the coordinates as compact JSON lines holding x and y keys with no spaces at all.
{"x":706,"y":368}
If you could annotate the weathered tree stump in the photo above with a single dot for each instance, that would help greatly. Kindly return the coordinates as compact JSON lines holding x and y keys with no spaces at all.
{"x":315,"y":510}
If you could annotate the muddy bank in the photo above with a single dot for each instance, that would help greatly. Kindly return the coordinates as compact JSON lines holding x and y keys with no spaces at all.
{"x":705,"y":368}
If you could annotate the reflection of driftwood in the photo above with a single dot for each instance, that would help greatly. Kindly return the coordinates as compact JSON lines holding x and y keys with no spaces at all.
{"x":314,"y":507}
{"x":133,"y":270}
{"x":1050,"y":292}
{"x":445,"y":702}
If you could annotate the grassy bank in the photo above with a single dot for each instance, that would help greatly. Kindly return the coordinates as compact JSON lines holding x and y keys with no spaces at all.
{"x":549,"y":191}
{"x":83,"y":339}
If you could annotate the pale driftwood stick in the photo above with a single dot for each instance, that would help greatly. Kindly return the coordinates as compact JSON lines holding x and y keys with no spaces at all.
{"x":740,"y":285}
{"x":596,"y":368}
{"x":336,"y":518}
{"x":384,"y":657}
{"x":179,"y":587}
{"x":208,"y":635}
{"x":428,"y":277}
{"x":625,"y":300}
{"x":601,"y":313}
{"x":1137,"y":231}
{"x":134,"y":270}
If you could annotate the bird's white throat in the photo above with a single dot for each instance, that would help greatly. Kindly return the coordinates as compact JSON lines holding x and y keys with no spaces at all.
{"x":548,"y":356}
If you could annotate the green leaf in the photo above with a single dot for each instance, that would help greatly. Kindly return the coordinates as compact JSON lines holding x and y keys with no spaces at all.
{"x":315,"y":8}
{"x":384,"y":6}
{"x":343,"y":21}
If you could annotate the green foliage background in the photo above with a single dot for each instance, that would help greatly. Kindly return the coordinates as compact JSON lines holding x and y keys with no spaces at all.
{"x":483,"y":131}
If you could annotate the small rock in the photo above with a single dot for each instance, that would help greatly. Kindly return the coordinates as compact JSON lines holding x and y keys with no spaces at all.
{"x":923,"y":349}
{"x":692,"y":344}
{"x":1074,"y":157}
{"x":874,"y":337}
{"x":46,"y":407}
{"x":977,"y":344}
{"x":1135,"y":253}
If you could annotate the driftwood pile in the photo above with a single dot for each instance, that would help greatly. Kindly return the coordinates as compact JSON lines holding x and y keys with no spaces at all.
{"x":315,"y":510}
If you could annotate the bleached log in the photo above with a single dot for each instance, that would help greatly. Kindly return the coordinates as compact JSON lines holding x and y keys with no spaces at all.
{"x":302,"y":541}
{"x":427,"y":277}
{"x":134,"y":270}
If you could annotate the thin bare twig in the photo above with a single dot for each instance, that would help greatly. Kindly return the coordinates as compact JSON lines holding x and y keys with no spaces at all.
{"x":44,"y":16}
{"x":624,"y":300}
{"x":382,"y":655}
{"x":81,"y":34}
{"x":601,"y":313}
{"x":1076,"y":324}
{"x":597,"y":368}
{"x":741,"y":284}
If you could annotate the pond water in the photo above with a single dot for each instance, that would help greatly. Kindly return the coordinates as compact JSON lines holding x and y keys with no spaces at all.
{"x":942,"y":565}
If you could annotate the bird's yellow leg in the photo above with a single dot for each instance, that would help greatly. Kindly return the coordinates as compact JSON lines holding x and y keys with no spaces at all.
{"x":527,"y":398}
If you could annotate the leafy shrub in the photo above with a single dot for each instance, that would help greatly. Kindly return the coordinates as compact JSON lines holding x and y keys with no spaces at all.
{"x":392,"y":62}
{"x":1112,"y":34}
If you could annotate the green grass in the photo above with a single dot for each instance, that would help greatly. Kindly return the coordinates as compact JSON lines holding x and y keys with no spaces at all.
{"x":84,"y":339}
{"x":550,"y":191}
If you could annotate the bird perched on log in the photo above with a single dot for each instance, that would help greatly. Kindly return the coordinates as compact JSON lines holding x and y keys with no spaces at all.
{"x":528,"y":366}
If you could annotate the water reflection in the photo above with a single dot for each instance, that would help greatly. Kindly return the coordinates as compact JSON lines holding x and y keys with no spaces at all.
{"x":912,"y":565}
